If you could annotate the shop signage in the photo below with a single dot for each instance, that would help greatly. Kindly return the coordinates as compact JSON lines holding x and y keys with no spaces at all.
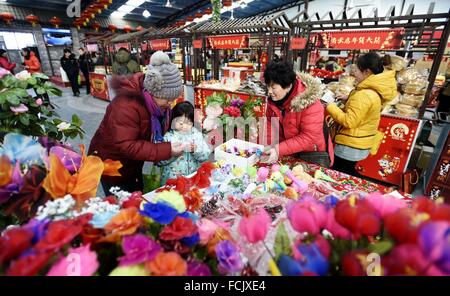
{"x":198,"y":43}
{"x":160,"y":44}
{"x":377,"y":39}
{"x":229,"y":42}
{"x":298,"y":43}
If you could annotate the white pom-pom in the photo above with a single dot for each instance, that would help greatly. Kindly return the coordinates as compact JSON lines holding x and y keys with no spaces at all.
{"x":159,"y":58}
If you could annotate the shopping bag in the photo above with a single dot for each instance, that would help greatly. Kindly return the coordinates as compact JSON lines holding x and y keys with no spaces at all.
{"x":152,"y":181}
{"x":409,"y":180}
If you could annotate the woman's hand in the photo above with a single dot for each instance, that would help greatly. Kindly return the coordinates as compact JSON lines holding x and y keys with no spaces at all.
{"x":273,"y":155}
{"x":177,"y":149}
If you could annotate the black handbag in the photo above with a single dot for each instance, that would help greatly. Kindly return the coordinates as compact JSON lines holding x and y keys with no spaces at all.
{"x":321,"y":158}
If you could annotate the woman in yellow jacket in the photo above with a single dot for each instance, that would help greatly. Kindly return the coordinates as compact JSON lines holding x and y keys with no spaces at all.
{"x":359,"y":120}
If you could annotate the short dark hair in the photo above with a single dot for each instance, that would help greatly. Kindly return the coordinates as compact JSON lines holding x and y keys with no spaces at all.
{"x":281,"y":73}
{"x":373,"y":62}
{"x":2,"y":51}
{"x":185,"y":109}
{"x":82,"y":48}
{"x":67,"y":50}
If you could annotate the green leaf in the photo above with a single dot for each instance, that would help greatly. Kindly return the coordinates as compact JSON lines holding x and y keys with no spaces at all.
{"x":282,"y":243}
{"x":25,"y":120}
{"x":76,"y":120}
{"x":12,"y":99}
{"x":32,"y":81}
{"x":20,"y":92}
{"x":22,"y":84}
{"x":40,"y":91}
{"x":381,"y":247}
{"x":40,"y":75}
{"x":2,"y":98}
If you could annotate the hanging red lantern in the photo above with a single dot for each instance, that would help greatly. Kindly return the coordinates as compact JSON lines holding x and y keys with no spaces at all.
{"x":208,"y":10}
{"x":32,"y":19}
{"x":198,"y":14}
{"x":90,"y":12}
{"x":190,"y":18}
{"x":97,"y":8}
{"x":140,"y":28}
{"x":127,"y":29}
{"x":96,"y":26}
{"x":55,"y":21}
{"x":105,"y":3}
{"x":112,"y":28}
{"x":227,"y":3}
{"x":7,"y":17}
{"x":181,"y":22}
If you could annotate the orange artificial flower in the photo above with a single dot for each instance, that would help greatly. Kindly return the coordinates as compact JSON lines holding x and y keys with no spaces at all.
{"x":6,"y":170}
{"x":221,"y":234}
{"x":126,"y":222}
{"x":193,"y":200}
{"x":84,"y":183}
{"x":167,"y":264}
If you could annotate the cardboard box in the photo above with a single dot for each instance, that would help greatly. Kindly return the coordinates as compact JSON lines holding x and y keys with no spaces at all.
{"x":238,"y":161}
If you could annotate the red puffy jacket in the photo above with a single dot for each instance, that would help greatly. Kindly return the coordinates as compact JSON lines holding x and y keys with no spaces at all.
{"x":301,"y":125}
{"x":5,"y":64}
{"x":125,"y":132}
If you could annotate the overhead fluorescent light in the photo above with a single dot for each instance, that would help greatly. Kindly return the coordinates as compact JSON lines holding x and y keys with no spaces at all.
{"x":135,"y":3}
{"x":118,"y":14}
{"x":126,"y":8}
{"x":146,"y":13}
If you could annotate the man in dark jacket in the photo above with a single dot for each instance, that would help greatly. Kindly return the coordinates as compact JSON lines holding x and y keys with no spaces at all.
{"x":85,"y":63}
{"x":70,"y":65}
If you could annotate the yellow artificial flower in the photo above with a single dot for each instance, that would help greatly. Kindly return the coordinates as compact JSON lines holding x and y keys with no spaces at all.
{"x":172,"y":198}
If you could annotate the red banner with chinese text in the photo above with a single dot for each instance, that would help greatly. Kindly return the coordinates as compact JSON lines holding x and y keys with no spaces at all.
{"x":198,"y":43}
{"x":379,"y":39}
{"x":229,"y":42}
{"x":160,"y":44}
{"x":298,"y":43}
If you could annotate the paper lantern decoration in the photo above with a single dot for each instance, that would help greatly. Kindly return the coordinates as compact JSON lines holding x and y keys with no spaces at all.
{"x":112,"y":28}
{"x":140,"y":28}
{"x":7,"y":17}
{"x":96,"y":8}
{"x":208,"y":10}
{"x":190,"y":18}
{"x":127,"y":29}
{"x":181,"y":23}
{"x":105,"y":3}
{"x":55,"y":21}
{"x":32,"y":19}
{"x":198,"y":14}
{"x":227,"y":3}
{"x":96,"y":26}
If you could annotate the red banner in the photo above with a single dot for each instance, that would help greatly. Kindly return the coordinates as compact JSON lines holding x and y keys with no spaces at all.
{"x":389,"y":164}
{"x":144,"y":46}
{"x":160,"y":44}
{"x":379,"y":39}
{"x":298,"y":43}
{"x":99,"y":86}
{"x":229,"y":41}
{"x":198,"y":43}
{"x":118,"y":46}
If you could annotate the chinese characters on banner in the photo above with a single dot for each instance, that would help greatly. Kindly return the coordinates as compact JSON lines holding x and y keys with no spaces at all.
{"x":160,"y":44}
{"x":198,"y":43}
{"x":298,"y":43}
{"x":379,"y":39}
{"x":229,"y":42}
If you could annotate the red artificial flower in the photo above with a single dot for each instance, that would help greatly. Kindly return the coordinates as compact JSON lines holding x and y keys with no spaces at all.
{"x":358,"y":216}
{"x":180,"y":228}
{"x":255,"y":227}
{"x":111,"y":199}
{"x":29,"y":265}
{"x":232,"y":111}
{"x":62,"y":232}
{"x":91,"y":235}
{"x":441,"y":213}
{"x":403,"y":225}
{"x":181,"y":184}
{"x":355,"y":263}
{"x":193,"y":200}
{"x":134,"y":201}
{"x":202,"y":178}
{"x":14,"y":242}
{"x":424,"y":205}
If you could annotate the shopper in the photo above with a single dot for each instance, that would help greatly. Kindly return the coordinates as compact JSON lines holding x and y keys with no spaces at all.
{"x":295,"y":105}
{"x":70,"y":65}
{"x":133,"y":127}
{"x":196,"y":150}
{"x":358,"y":130}
{"x":5,"y":63}
{"x":31,"y":62}
{"x":86,"y":66}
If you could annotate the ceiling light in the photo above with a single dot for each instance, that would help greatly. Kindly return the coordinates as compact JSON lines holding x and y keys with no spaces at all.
{"x":146,"y":13}
{"x":118,"y":14}
{"x":168,"y":4}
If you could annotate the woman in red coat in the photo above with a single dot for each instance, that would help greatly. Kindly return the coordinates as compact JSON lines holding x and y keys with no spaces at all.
{"x":4,"y":63}
{"x":297,"y":115}
{"x":135,"y":121}
{"x":31,"y":62}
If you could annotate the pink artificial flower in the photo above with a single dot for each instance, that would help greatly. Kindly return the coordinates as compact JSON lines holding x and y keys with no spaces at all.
{"x":207,"y":229}
{"x":307,"y":216}
{"x":255,"y":227}
{"x":39,"y":102}
{"x":80,"y":262}
{"x":19,"y":109}
{"x":385,"y":204}
{"x":336,"y":229}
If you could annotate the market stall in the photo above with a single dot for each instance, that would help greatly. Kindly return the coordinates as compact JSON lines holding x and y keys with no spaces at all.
{"x":409,"y":36}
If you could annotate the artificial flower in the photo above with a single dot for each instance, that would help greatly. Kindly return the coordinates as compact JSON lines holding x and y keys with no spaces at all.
{"x":307,"y":216}
{"x":23,"y":75}
{"x":181,"y":184}
{"x":91,"y":235}
{"x":19,"y":109}
{"x":39,"y":102}
{"x":167,"y":264}
{"x":336,"y":229}
{"x":178,"y":229}
{"x":38,"y":227}
{"x":358,"y":216}
{"x":63,"y":126}
{"x":232,"y":111}
{"x":22,"y":149}
{"x":190,"y":241}
{"x":6,"y":170}
{"x":220,"y":235}
{"x":135,"y":270}
{"x":355,"y":263}
{"x":193,"y":200}
{"x":255,"y":227}
{"x":238,"y":103}
{"x":196,"y":268}
{"x":4,"y":72}
{"x":311,"y":259}
{"x":80,"y":262}
{"x":13,"y":242}
{"x":70,"y":159}
{"x":228,"y":257}
{"x":213,"y":110}
{"x":202,"y":178}
{"x":138,"y":249}
{"x":434,"y":241}
{"x":134,"y":201}
{"x":207,"y":229}
{"x":289,"y":266}
{"x":99,"y":220}
{"x":404,"y":224}
{"x":126,"y":222}
{"x":385,"y":204}
{"x":441,"y":213}
{"x":29,"y":265}
{"x":14,"y":186}
{"x":160,"y":212}
{"x":171,"y":198}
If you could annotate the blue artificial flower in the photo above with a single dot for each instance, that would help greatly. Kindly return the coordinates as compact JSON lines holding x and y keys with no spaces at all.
{"x":191,"y":241}
{"x":99,"y":220}
{"x":189,"y":215}
{"x":22,"y":149}
{"x":331,"y":201}
{"x":289,"y":266}
{"x":160,"y":212}
{"x":38,"y":227}
{"x":312,"y":259}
